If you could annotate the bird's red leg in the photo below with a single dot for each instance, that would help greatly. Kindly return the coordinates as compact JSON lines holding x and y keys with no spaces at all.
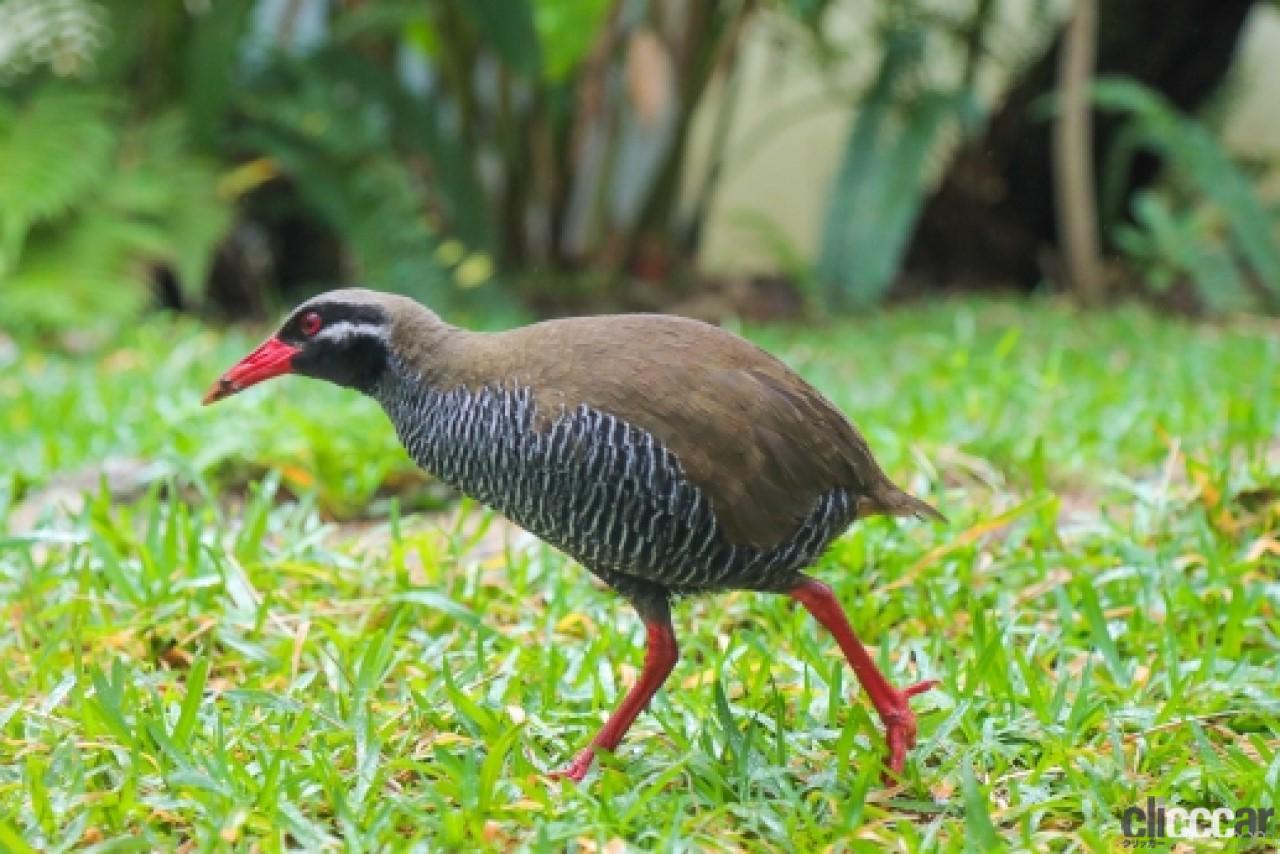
{"x":660,"y":658}
{"x":890,"y":703}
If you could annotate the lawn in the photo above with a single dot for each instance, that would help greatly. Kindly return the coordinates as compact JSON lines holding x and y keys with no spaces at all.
{"x":256,"y":627}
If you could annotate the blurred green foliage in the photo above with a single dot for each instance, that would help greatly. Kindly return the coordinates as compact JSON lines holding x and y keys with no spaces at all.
{"x":878,"y":191}
{"x":86,"y":205}
{"x":537,"y":137}
{"x":528,"y":135}
{"x":1207,"y":227}
{"x":467,"y":152}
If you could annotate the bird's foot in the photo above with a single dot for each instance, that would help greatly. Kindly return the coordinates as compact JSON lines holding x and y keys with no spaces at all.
{"x":578,"y":768}
{"x":900,"y":727}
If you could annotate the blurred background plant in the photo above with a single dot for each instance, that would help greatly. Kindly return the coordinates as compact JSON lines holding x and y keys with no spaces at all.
{"x":496,"y":157}
{"x":1205,"y":229}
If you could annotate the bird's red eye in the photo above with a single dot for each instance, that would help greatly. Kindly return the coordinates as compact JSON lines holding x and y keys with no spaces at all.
{"x":311,"y":323}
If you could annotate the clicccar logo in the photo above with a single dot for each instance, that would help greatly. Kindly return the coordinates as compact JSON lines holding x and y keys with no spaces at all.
{"x":1153,"y":823}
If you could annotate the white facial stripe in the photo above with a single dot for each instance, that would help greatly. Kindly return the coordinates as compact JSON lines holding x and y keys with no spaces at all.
{"x":342,"y":330}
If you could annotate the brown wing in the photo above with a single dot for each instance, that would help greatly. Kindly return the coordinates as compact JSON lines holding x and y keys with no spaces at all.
{"x":762,"y":443}
{"x":773,"y":449}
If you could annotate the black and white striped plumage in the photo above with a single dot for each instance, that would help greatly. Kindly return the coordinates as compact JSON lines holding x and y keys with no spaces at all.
{"x":605,"y":492}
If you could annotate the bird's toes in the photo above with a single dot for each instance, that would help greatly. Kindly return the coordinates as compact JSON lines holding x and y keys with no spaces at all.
{"x":920,"y":687}
{"x":900,"y":736}
{"x":577,"y":769}
{"x":900,"y":729}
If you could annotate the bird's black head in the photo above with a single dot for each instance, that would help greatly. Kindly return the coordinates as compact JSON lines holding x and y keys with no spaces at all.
{"x":342,"y":336}
{"x":340,"y":340}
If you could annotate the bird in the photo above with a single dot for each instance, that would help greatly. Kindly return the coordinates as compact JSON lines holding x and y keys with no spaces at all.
{"x":667,"y":456}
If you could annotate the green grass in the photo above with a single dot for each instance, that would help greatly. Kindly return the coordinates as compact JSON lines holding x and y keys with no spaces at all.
{"x":270,"y":648}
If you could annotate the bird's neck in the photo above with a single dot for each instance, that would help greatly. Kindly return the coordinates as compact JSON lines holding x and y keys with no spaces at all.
{"x":425,"y":349}
{"x":452,"y":429}
{"x":433,"y":371}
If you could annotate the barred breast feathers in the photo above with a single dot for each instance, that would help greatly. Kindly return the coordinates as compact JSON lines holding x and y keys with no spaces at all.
{"x":607,"y":492}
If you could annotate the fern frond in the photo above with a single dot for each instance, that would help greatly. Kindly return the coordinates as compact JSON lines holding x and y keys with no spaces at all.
{"x":90,"y":262}
{"x":90,"y":223}
{"x":163,"y":185}
{"x":54,"y":150}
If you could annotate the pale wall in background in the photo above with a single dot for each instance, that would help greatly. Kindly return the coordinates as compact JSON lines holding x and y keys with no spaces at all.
{"x":790,"y":130}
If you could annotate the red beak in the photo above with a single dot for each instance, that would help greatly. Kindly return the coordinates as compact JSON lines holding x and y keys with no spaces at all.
{"x":272,"y":358}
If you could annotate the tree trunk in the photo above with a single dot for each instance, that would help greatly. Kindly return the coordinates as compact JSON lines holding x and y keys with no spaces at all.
{"x":1073,"y":190}
{"x":993,"y":218}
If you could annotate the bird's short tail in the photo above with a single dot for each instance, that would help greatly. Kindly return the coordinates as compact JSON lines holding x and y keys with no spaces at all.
{"x":894,"y":502}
